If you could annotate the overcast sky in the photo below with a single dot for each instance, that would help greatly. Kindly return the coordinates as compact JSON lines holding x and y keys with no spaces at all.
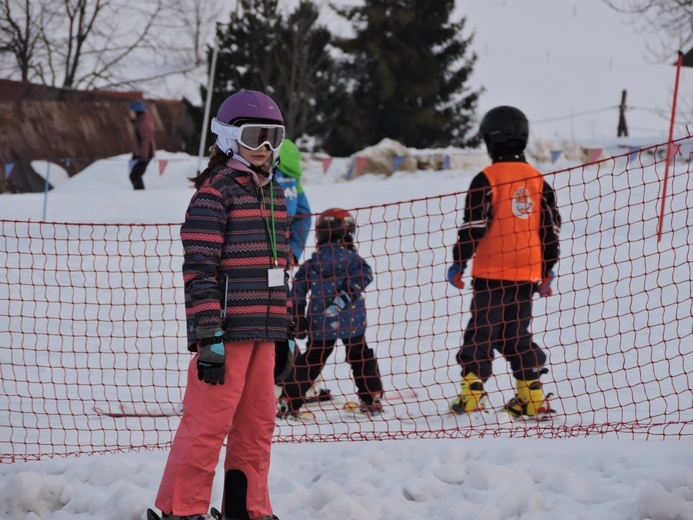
{"x":554,"y":58}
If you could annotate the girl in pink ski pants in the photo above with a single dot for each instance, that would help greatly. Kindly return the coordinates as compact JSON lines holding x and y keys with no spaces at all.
{"x":242,"y":409}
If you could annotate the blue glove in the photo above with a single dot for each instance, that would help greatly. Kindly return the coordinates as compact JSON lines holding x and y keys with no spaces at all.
{"x":211,"y":357}
{"x":544,"y":288}
{"x":341,"y":301}
{"x":455,"y":272}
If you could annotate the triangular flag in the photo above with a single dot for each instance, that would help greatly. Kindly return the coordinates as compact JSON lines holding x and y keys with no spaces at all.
{"x":326,"y":164}
{"x":555,"y":154}
{"x":687,"y":59}
{"x":162,"y":165}
{"x":361,"y":163}
{"x":446,"y":162}
{"x":8,"y":169}
{"x":674,"y":150}
{"x":65,"y":161}
{"x":396,"y":161}
{"x":594,"y":153}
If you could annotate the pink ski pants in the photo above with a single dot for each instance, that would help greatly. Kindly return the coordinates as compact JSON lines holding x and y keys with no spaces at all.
{"x":243,"y":408}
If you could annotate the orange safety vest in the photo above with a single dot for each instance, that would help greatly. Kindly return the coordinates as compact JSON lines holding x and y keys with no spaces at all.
{"x":511,"y":249}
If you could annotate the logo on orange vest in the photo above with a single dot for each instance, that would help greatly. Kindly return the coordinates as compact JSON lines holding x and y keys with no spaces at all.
{"x":522,"y":203}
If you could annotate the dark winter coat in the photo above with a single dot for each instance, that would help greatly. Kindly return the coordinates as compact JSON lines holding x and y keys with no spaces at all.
{"x":227,"y":251}
{"x":143,"y":142}
{"x":331,"y":269}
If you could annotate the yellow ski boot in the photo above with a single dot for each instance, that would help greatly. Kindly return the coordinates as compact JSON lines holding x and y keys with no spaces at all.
{"x":529,"y":401}
{"x":472,"y":397}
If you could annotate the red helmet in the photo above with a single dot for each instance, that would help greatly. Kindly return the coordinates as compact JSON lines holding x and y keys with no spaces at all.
{"x":334,"y":224}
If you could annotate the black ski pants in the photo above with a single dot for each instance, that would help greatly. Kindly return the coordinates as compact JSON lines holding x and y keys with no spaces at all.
{"x":137,"y":172}
{"x":309,"y":365}
{"x":501,"y":316}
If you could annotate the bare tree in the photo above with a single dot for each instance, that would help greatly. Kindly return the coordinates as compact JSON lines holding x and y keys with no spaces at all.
{"x":669,"y":21}
{"x":21,"y":33}
{"x":104,"y":43}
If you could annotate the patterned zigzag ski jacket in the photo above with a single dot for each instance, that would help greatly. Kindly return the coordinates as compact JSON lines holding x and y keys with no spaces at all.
{"x":227,"y":254}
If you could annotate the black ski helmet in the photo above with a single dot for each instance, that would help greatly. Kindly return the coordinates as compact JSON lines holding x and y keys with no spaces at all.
{"x":334,"y":224}
{"x":504,"y":129}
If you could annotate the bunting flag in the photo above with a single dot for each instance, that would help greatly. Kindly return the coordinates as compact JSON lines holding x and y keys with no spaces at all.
{"x":361,"y":163}
{"x":555,"y":154}
{"x":66,"y":162}
{"x":594,"y":153}
{"x":396,"y":161}
{"x":8,"y":169}
{"x":674,"y":150}
{"x":162,"y":165}
{"x":326,"y":164}
{"x":446,"y":162}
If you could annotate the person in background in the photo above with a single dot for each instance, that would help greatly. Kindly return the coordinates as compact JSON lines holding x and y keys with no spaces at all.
{"x":235,"y":272}
{"x":335,"y":277}
{"x":289,"y":172}
{"x":143,"y":143}
{"x":511,"y":227}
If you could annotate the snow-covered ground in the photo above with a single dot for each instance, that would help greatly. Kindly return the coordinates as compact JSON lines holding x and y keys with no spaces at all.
{"x":457,"y":479}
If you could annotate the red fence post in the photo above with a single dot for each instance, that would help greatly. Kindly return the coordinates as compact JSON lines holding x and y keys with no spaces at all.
{"x":679,"y":62}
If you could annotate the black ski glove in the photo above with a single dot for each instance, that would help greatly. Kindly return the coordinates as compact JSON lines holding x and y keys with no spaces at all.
{"x":211,"y":355}
{"x":284,"y":353}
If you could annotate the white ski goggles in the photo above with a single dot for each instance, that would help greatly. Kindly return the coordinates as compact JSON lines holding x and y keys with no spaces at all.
{"x":252,"y":135}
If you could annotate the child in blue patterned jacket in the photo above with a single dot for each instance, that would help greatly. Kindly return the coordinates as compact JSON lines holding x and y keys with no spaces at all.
{"x":335,"y":276}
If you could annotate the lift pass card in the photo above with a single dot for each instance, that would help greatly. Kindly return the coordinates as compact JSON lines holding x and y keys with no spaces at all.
{"x":275,"y":277}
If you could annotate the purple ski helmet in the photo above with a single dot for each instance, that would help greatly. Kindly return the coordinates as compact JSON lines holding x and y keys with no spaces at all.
{"x":246,"y":106}
{"x":249,"y":106}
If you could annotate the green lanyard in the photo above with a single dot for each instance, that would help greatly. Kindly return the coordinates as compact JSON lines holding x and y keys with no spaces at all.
{"x":271,"y":230}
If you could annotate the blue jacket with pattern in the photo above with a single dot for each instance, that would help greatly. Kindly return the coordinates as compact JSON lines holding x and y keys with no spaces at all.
{"x":333,"y":269}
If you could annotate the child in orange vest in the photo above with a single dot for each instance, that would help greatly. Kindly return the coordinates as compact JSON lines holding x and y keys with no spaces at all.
{"x":511,"y":225}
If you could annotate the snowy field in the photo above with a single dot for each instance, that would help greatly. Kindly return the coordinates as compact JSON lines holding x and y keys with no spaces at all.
{"x":477,"y":478}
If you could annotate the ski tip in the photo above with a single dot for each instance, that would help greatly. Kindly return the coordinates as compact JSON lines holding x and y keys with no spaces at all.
{"x":109,"y":413}
{"x":399,"y":395}
{"x":152,"y":515}
{"x":350,"y":406}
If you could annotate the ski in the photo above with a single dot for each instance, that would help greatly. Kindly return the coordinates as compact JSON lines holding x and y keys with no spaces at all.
{"x":355,"y":411}
{"x":303,"y":416}
{"x":400,"y":395}
{"x":151,"y":515}
{"x":141,"y":410}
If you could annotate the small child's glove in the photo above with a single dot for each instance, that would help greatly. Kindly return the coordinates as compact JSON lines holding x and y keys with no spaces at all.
{"x":341,"y":301}
{"x":544,"y":288}
{"x":455,"y":272}
{"x":211,"y":357}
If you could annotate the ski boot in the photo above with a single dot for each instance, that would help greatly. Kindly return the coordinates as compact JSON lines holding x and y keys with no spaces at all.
{"x":151,"y":515}
{"x":218,"y":516}
{"x":286,"y":411}
{"x":322,"y":395}
{"x":371,"y":406}
{"x":530,"y":402}
{"x":472,"y":396}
